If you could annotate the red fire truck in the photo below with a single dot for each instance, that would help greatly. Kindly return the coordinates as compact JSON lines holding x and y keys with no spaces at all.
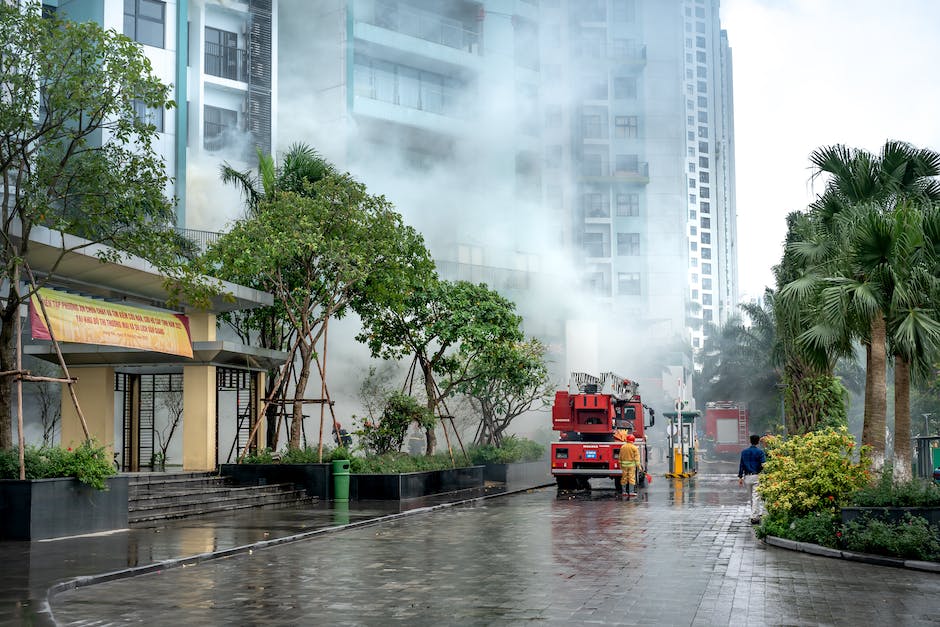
{"x":726,"y":429}
{"x":587,"y":414}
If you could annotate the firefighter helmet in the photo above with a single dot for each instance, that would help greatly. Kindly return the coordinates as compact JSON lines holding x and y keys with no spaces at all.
{"x":631,"y":438}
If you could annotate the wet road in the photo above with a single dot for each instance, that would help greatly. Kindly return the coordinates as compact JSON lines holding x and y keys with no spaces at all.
{"x":683,"y":554}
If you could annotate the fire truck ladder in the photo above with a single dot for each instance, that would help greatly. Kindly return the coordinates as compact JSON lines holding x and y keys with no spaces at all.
{"x":742,"y":425}
{"x":621,"y":388}
{"x":580,"y":380}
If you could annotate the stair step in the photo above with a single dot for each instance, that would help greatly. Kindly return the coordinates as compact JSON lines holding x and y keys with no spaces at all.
{"x":286,"y":499}
{"x":214,"y":494}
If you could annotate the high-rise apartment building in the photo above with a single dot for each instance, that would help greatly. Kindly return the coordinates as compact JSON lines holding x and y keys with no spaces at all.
{"x":219,"y":57}
{"x":639,"y":156}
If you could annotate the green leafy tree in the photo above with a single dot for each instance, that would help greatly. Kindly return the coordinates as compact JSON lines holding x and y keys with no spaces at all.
{"x":74,"y":155}
{"x":300,"y":168}
{"x":317,"y":253}
{"x":388,"y":433}
{"x":504,"y":384}
{"x":446,"y":326}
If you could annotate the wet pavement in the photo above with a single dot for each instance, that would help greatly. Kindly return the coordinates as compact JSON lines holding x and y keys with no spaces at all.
{"x":682,"y":554}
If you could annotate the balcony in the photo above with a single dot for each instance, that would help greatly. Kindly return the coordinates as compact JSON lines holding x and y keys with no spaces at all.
{"x":631,"y":54}
{"x":640,"y":175}
{"x":420,"y":24}
{"x":496,"y":278}
{"x":224,"y":62}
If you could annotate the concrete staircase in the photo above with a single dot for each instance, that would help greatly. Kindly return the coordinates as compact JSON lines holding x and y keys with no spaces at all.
{"x":160,"y":496}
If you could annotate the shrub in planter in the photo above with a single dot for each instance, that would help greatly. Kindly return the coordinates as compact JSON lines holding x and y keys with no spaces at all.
{"x":886,"y":493}
{"x":88,"y":462}
{"x":513,"y":450}
{"x":911,"y":539}
{"x":811,"y":473}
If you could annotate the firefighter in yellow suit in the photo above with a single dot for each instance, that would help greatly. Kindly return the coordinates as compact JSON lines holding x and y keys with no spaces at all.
{"x":629,"y":464}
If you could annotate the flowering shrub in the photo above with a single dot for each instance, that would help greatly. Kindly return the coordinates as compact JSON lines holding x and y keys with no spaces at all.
{"x":89,"y":463}
{"x":811,"y":473}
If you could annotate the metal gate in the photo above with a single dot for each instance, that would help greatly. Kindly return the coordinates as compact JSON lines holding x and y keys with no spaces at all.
{"x":139,"y":397}
{"x":244,"y":384}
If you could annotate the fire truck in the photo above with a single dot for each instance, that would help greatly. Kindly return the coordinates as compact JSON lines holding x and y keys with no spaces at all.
{"x":587,"y":414}
{"x":726,"y":429}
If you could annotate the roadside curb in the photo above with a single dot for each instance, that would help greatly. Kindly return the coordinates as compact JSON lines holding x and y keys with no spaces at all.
{"x":865,"y":558}
{"x":192,"y":560}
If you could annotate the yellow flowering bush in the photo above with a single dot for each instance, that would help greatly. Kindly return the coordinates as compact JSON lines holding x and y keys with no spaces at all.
{"x":810,"y":473}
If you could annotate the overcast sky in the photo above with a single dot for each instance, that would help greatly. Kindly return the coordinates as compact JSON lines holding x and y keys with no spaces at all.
{"x":809,"y":73}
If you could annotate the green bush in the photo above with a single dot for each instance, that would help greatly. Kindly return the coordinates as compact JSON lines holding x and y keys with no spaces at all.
{"x":401,"y":410}
{"x":89,"y":463}
{"x":513,"y":450}
{"x":397,"y":462}
{"x":811,"y":473}
{"x":264,"y":456}
{"x":913,"y":538}
{"x":885,"y":493}
{"x":306,"y":455}
{"x":820,"y":528}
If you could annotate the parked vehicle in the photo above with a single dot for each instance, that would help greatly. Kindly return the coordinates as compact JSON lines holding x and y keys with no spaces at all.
{"x":587,"y":415}
{"x":726,"y":429}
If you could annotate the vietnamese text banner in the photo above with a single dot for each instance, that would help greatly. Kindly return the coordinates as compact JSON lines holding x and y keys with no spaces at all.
{"x":87,"y":321}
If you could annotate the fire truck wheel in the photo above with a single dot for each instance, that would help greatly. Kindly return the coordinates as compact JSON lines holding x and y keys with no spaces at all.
{"x":566,"y":483}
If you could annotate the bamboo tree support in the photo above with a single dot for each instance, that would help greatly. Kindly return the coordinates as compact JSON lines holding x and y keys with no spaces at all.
{"x":21,"y":437}
{"x":264,"y":408}
{"x":452,"y":426}
{"x":322,"y":370}
{"x":325,"y":400}
{"x":58,"y":352}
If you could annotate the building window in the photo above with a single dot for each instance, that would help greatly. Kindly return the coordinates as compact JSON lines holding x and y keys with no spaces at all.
{"x":628,"y":244}
{"x":595,"y":245}
{"x":705,"y":207}
{"x":707,"y":315}
{"x":691,"y":167}
{"x":706,"y":253}
{"x":706,"y":238}
{"x":626,"y":126}
{"x":223,"y":58}
{"x":595,"y":205}
{"x":691,"y":183}
{"x":624,"y":88}
{"x":592,"y":165}
{"x":149,"y":116}
{"x":627,"y":163}
{"x":694,"y":262}
{"x":703,"y":147}
{"x":703,"y":177}
{"x":691,"y":136}
{"x":593,"y":126}
{"x":703,"y":102}
{"x":701,"y":72}
{"x":706,"y":223}
{"x":703,"y":192}
{"x":694,"y":294}
{"x":691,"y":214}
{"x":700,"y":56}
{"x":699,"y":42}
{"x":691,"y":151}
{"x":628,"y":205}
{"x":693,"y":230}
{"x":628,"y":283}
{"x":702,"y":87}
{"x":703,"y":117}
{"x":703,"y":162}
{"x":706,"y":299}
{"x":145,"y":21}
{"x":693,"y":245}
{"x":703,"y":132}
{"x":700,"y":27}
{"x":219,"y":126}
{"x":706,"y":268}
{"x":706,"y":284}
{"x":692,"y":198}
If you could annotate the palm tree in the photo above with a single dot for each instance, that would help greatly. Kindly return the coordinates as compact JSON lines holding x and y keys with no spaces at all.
{"x":864,"y":282}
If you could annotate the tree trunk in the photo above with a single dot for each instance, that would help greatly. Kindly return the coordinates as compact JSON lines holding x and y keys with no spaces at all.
{"x":902,"y":419}
{"x":429,"y":436}
{"x":873,"y":431}
{"x":297,"y":419}
{"x":7,"y":363}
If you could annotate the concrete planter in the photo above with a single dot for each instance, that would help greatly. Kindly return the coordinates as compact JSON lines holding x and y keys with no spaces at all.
{"x":520,"y":475}
{"x":410,"y":485}
{"x":891,"y":514}
{"x":53,"y":508}
{"x":316,"y":479}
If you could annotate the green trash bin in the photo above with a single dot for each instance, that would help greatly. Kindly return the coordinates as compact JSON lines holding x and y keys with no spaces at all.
{"x":340,"y":479}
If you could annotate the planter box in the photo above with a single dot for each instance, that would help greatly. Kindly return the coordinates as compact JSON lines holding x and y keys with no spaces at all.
{"x":521,"y":475}
{"x":53,"y":508}
{"x":316,"y":479}
{"x":892,"y":514}
{"x":410,"y":485}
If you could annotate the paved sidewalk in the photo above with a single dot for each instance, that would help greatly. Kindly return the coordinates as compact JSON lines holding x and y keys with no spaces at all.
{"x":30,"y":568}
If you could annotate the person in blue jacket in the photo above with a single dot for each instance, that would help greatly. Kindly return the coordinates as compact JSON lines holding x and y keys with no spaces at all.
{"x":752,"y":463}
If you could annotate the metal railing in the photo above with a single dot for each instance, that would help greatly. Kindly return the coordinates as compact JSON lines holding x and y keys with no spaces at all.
{"x":225,"y":62}
{"x":421,"y":24}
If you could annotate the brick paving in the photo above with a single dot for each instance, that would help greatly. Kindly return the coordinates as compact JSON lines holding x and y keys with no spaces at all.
{"x":684,"y":554}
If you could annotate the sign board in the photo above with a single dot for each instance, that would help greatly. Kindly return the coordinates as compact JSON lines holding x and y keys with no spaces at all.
{"x":88,"y":321}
